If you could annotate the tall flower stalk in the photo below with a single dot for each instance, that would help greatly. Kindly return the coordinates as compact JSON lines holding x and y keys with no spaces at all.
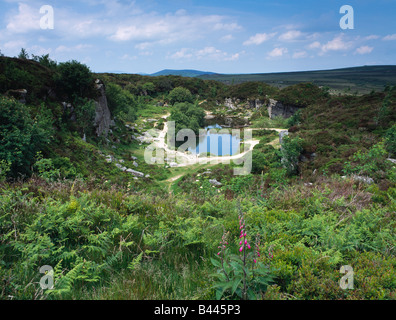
{"x":222,"y":252}
{"x":240,"y":274}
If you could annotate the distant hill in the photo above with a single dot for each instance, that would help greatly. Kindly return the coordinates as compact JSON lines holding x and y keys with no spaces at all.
{"x":182,"y":73}
{"x":362,"y":79}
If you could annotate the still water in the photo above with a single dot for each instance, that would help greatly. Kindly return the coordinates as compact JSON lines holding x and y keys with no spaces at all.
{"x":217,"y":143}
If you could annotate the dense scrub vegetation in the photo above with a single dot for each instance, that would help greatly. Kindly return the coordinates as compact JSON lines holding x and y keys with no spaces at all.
{"x":281,"y":232}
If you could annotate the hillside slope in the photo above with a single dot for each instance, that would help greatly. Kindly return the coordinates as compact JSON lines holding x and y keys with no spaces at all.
{"x":112,"y":226}
{"x":362,"y":79}
{"x":183,"y":73}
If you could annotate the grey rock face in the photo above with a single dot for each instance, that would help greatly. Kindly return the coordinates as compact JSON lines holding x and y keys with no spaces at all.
{"x":215,"y":182}
{"x":102,"y":120}
{"x":276,"y":109}
{"x":19,"y":95}
{"x":230,"y":103}
{"x":256,"y":104}
{"x":136,"y":173}
{"x":119,"y":166}
{"x":363,"y":179}
{"x":282,"y":134}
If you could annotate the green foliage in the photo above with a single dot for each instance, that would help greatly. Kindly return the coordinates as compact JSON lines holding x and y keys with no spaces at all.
{"x":74,"y":79}
{"x":390,"y":140}
{"x":239,"y":184}
{"x":22,"y":136}
{"x":45,"y":61}
{"x":121,"y":102}
{"x":23,"y":54}
{"x":187,"y":116}
{"x":386,"y":108}
{"x":264,"y":157}
{"x":16,"y":74}
{"x":85,"y":113}
{"x":45,"y":168}
{"x":303,"y":94}
{"x":291,"y":150}
{"x":180,"y":94}
{"x":240,"y":275}
{"x":109,"y":236}
{"x":5,"y":168}
{"x":371,"y":163}
{"x":295,"y":119}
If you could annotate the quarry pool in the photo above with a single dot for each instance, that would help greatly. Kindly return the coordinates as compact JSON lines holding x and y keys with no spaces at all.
{"x":216,"y":141}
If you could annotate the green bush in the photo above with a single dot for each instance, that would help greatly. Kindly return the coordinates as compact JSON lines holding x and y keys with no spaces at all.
{"x":74,"y":79}
{"x":121,"y":102}
{"x":390,"y":140}
{"x":371,"y":163}
{"x":180,"y":94}
{"x":291,"y":150}
{"x":187,"y":116}
{"x":21,"y":136}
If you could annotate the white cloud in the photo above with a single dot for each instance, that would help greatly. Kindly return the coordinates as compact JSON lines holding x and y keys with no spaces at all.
{"x":315,"y":45}
{"x":27,"y":19}
{"x":170,"y":28}
{"x":300,"y":54}
{"x":291,"y":35}
{"x":227,"y":26}
{"x":183,"y":53}
{"x":208,"y":53}
{"x":371,"y":37}
{"x":364,"y":50}
{"x":148,"y":31}
{"x":277,"y":52}
{"x":337,"y":44}
{"x":227,"y":38}
{"x":79,"y":47}
{"x":259,"y":38}
{"x":128,"y":57}
{"x":143,"y":45}
{"x":14,"y":44}
{"x":233,"y":57}
{"x":390,"y":37}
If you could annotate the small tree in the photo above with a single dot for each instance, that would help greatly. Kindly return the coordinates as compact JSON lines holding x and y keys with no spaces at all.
{"x":148,"y":88}
{"x":45,"y":61}
{"x":180,"y":94}
{"x":121,"y":102}
{"x":74,"y":79}
{"x":21,"y":136}
{"x":188,"y":116}
{"x":390,"y":140}
{"x":23,"y":54}
{"x":291,"y":149}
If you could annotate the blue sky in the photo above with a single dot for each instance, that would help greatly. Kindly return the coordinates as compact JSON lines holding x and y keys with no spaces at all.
{"x":220,"y":36}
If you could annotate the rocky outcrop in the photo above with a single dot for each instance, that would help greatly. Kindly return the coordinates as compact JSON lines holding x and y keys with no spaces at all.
{"x":19,"y":95}
{"x":255,"y":104}
{"x":277,"y":108}
{"x":231,"y":103}
{"x":102,"y":120}
{"x":282,"y":134}
{"x":234,"y":103}
{"x":135,"y":173}
{"x":215,"y":183}
{"x":363,"y":179}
